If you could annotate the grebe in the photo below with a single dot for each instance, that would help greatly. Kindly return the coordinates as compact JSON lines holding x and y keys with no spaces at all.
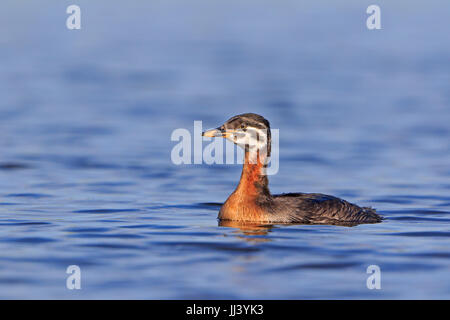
{"x":252,"y":201}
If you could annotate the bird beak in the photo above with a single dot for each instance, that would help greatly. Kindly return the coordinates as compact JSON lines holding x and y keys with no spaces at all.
{"x":213,"y":133}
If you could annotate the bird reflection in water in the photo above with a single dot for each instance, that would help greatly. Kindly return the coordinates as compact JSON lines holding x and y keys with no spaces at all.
{"x":248,"y":231}
{"x":257,"y":232}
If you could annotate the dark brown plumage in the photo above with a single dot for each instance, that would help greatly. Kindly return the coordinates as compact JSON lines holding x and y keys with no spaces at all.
{"x":252,"y":200}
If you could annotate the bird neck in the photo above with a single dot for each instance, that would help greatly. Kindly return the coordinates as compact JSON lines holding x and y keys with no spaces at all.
{"x":247,"y":202}
{"x":254,"y":181}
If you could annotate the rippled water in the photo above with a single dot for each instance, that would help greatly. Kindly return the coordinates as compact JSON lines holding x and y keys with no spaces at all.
{"x":85,"y":170}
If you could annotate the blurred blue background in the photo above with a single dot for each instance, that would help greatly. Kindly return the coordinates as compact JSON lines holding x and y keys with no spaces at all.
{"x":86,"y":176}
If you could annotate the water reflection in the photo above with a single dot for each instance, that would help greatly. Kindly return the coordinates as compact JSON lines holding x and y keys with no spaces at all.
{"x":253,"y":228}
{"x":248,"y":231}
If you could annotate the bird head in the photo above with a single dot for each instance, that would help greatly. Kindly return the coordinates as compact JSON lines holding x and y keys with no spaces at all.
{"x":249,"y":131}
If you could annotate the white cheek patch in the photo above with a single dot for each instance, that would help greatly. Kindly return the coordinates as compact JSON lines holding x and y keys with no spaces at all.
{"x":255,"y":139}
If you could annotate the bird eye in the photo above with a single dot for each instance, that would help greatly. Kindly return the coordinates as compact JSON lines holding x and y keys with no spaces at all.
{"x":243,"y":126}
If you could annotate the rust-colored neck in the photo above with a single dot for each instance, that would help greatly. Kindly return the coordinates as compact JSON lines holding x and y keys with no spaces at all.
{"x":253,"y":181}
{"x":250,"y":199}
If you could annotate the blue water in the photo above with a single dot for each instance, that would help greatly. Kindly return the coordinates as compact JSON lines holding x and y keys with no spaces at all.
{"x":86,"y":176}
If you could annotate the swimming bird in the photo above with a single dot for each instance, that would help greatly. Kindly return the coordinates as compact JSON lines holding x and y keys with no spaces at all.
{"x":252,"y":201}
